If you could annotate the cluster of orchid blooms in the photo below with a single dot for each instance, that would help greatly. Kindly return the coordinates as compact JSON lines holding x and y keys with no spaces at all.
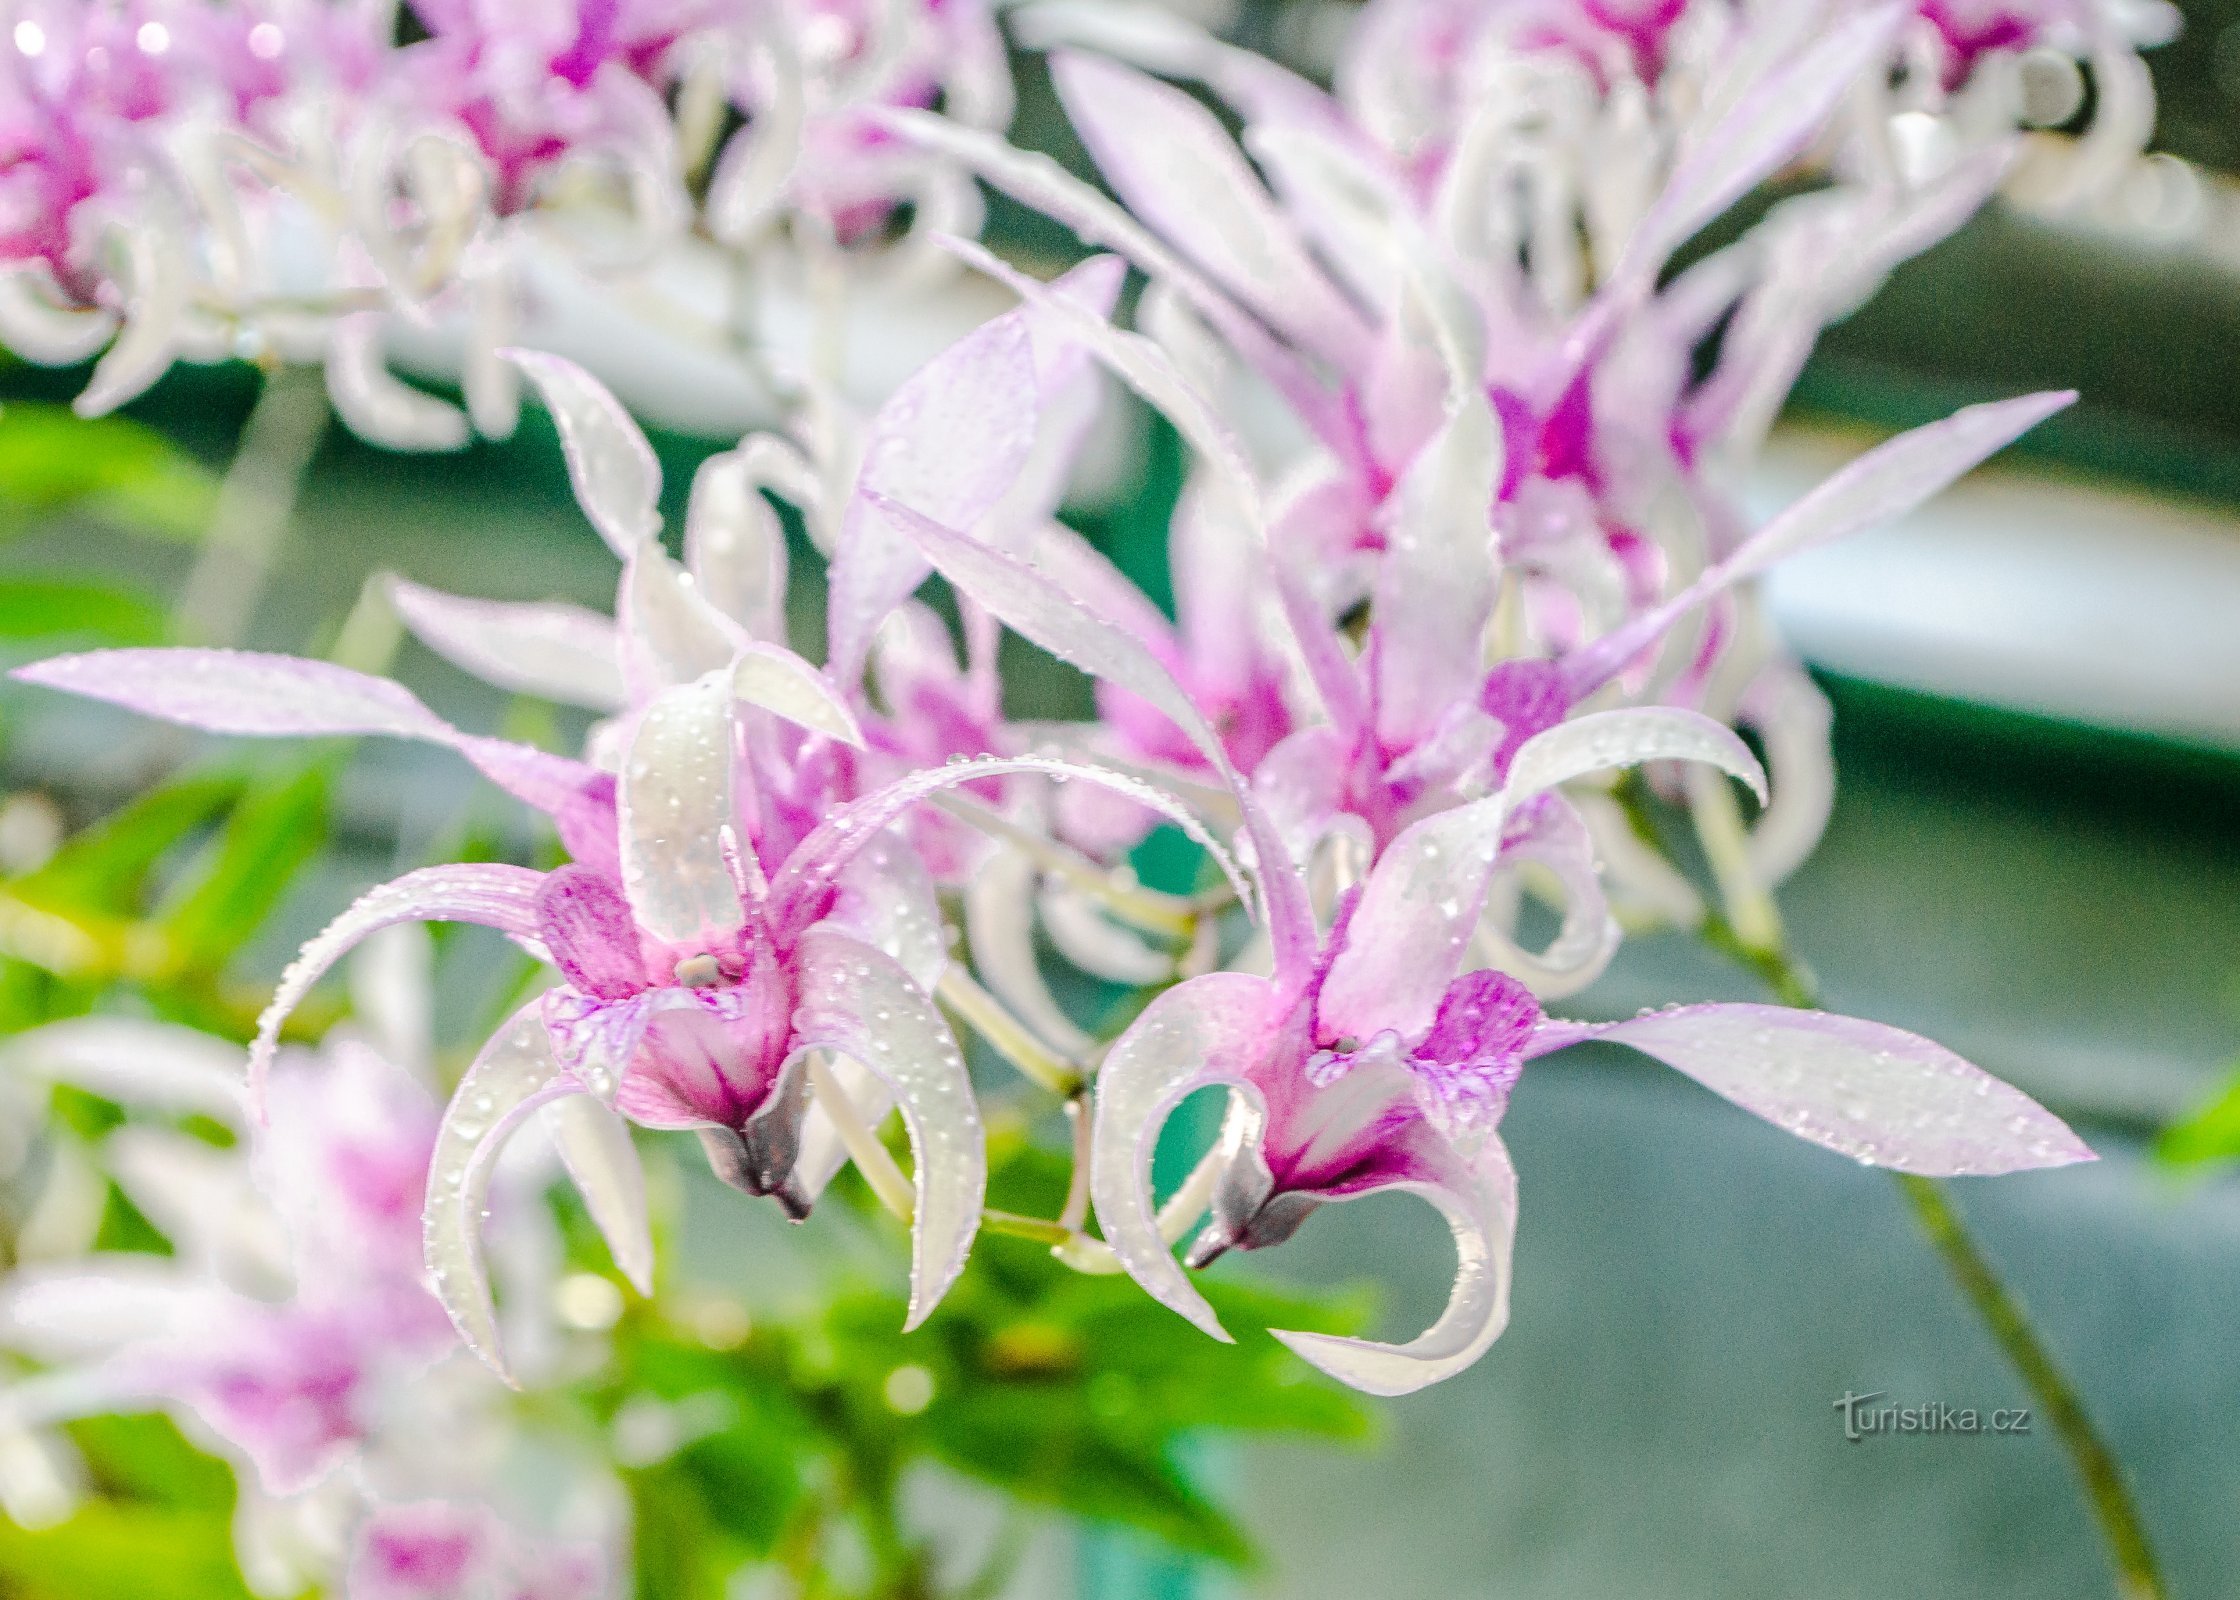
{"x":1459,"y":545}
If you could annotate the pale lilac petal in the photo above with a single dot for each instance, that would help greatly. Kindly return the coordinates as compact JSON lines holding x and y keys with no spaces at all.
{"x":675,"y":805}
{"x":553,"y":650}
{"x":1204,"y":1031}
{"x":588,"y":931}
{"x":1160,"y":41}
{"x":948,"y":443}
{"x":1037,"y":181}
{"x":594,"y":1145}
{"x":1145,"y":368}
{"x":244,"y":692}
{"x":1893,"y":478}
{"x":999,"y":900}
{"x":1173,"y":165}
{"x":671,"y":634}
{"x":1763,"y":133}
{"x":734,"y":545}
{"x":1878,"y":1094}
{"x":859,"y":1003}
{"x":513,"y":1077}
{"x":1088,"y":575}
{"x":774,"y":678}
{"x":887,"y":900}
{"x":616,"y":477}
{"x":1792,"y":719}
{"x":490,"y":894}
{"x":156,"y":1066}
{"x":1483,"y":1217}
{"x":1411,"y":928}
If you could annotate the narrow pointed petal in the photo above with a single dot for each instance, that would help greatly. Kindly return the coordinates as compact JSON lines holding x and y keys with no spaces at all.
{"x":1435,"y":585}
{"x":1602,"y":740}
{"x":776,"y":679}
{"x":1762,"y":133}
{"x":674,"y":802}
{"x":594,"y":1145}
{"x":377,"y":405}
{"x":1176,"y":168}
{"x":1893,"y":478}
{"x":859,"y":1003}
{"x":491,"y":895}
{"x":1482,"y":1212}
{"x":1878,"y":1094}
{"x":617,"y":479}
{"x":1145,"y":368}
{"x":1201,"y":1032}
{"x":999,"y":902}
{"x":803,"y":885}
{"x":513,"y":1077}
{"x":1037,"y":181}
{"x":245,"y":692}
{"x":161,"y":286}
{"x":552,"y":650}
{"x":948,"y":443}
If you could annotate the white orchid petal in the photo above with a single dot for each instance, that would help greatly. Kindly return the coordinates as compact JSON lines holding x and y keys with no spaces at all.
{"x":735,"y":546}
{"x":999,"y":925}
{"x":674,"y":803}
{"x":802,"y":883}
{"x":858,"y":1002}
{"x":1484,"y":1221}
{"x":377,"y":405}
{"x":157,"y":261}
{"x":553,"y":650}
{"x":154,"y":1066}
{"x":1198,"y":1033}
{"x":1588,"y":938}
{"x":242,"y":692}
{"x":594,"y":1145}
{"x":514,"y":1076}
{"x":490,"y":894}
{"x":671,"y":634}
{"x":1602,"y":740}
{"x":617,"y":479}
{"x":36,"y":325}
{"x":1875,"y":1093}
{"x":776,"y":679}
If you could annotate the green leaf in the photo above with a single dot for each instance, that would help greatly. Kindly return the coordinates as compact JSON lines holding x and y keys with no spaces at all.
{"x":106,"y":868}
{"x":111,"y":1551}
{"x":275,"y":830}
{"x":51,"y":608}
{"x":145,"y":1457}
{"x":2210,"y":1134}
{"x":122,"y":471}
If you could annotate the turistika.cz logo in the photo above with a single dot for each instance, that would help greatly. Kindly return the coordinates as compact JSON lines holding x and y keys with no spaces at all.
{"x":1862,"y":1418}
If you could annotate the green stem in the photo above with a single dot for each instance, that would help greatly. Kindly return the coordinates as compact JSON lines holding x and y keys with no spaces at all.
{"x":2137,"y":1577}
{"x":2000,"y":1312}
{"x":255,"y":504}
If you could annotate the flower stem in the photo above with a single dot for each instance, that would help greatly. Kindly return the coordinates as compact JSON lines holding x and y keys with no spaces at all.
{"x":255,"y":503}
{"x":2137,"y":1577}
{"x":1006,"y":1035}
{"x":2000,"y":1312}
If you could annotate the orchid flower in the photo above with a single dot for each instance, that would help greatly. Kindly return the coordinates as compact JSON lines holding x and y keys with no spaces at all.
{"x":1378,"y":1063}
{"x":292,"y":1328}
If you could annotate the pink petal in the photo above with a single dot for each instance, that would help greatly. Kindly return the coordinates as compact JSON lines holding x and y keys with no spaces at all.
{"x":1878,"y":1094}
{"x":586,"y":926}
{"x":491,"y":895}
{"x":856,"y":1001}
{"x":553,"y":650}
{"x":243,"y":692}
{"x":1204,"y":1031}
{"x":616,"y":475}
{"x":1482,"y":1213}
